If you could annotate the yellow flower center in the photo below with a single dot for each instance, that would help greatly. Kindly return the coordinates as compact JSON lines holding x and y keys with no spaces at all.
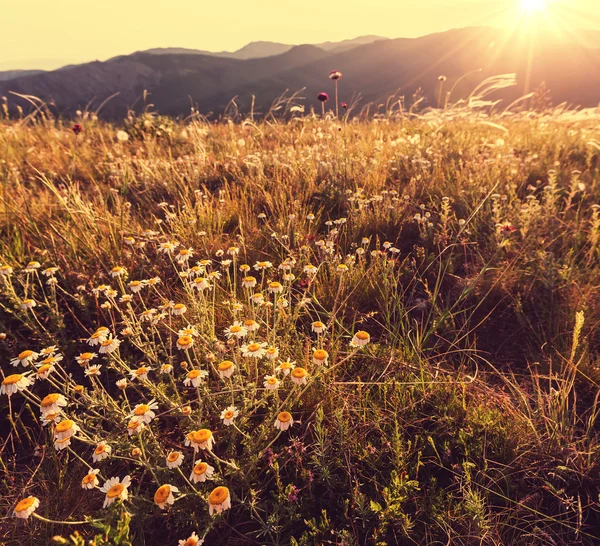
{"x":229,"y":414}
{"x":192,"y":374}
{"x":65,"y":425}
{"x":141,"y":409}
{"x":253,"y":347}
{"x":219,"y":495}
{"x":284,"y":417}
{"x":320,"y":354}
{"x":178,"y":306}
{"x":272,"y":381}
{"x":285,"y":365}
{"x":162,"y":494}
{"x":25,"y":354}
{"x":318,"y":324}
{"x":271,"y":350}
{"x":249,"y":322}
{"x":173,"y":456}
{"x":235,"y":329}
{"x":133,"y":424}
{"x":43,"y":369}
{"x":185,"y":340}
{"x":190,"y":542}
{"x":64,"y":440}
{"x":86,"y":356}
{"x":90,"y":478}
{"x":362,"y":335}
{"x":25,"y":504}
{"x":101,"y":448}
{"x":225,"y":365}
{"x":135,"y":283}
{"x":141,"y":371}
{"x":106,"y":343}
{"x":299,"y":373}
{"x":12,"y":379}
{"x":200,"y":469}
{"x":201,"y":436}
{"x":50,"y":399}
{"x":115,"y":491}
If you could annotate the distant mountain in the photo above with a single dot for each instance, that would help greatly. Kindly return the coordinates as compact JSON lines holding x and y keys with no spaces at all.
{"x":12,"y":74}
{"x":177,"y":80}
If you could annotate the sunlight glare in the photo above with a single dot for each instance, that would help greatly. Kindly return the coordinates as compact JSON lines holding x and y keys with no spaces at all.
{"x":533,"y":5}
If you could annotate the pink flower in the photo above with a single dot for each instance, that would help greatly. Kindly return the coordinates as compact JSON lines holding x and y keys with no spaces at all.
{"x":77,"y":128}
{"x":335,"y":75}
{"x":323,"y":97}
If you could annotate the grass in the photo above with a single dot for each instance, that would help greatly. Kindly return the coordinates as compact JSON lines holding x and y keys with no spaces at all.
{"x":465,"y":245}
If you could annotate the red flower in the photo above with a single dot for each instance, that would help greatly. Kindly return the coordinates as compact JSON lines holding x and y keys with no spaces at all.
{"x":323,"y":97}
{"x":335,"y":75}
{"x":345,"y":105}
{"x":77,"y":128}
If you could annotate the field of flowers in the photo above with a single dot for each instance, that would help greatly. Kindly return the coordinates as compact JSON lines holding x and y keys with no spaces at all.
{"x":368,"y":331}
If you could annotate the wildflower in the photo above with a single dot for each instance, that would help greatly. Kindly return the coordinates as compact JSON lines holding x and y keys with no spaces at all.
{"x":122,"y":136}
{"x":24,"y":358}
{"x":249,"y":282}
{"x":272,"y":353}
{"x":318,"y":327}
{"x":129,"y":240}
{"x":323,"y":97}
{"x":186,"y":410}
{"x":15,"y":383}
{"x":254,"y":350}
{"x":77,"y":128}
{"x":184,"y":255}
{"x":284,"y":421}
{"x":335,"y":75}
{"x":360,"y":338}
{"x":166,"y":369}
{"x":174,"y":459}
{"x":102,"y":451}
{"x":271,"y":382}
{"x":258,"y":298}
{"x":200,"y":283}
{"x":185,"y":342}
{"x":109,"y":345}
{"x":121,"y":384}
{"x":26,"y":507}
{"x":261,"y":266}
{"x":135,"y":426}
{"x":344,"y":105}
{"x":167,"y":248}
{"x":192,"y":540}
{"x":49,"y":351}
{"x":310,"y":269}
{"x":164,"y":495}
{"x":320,"y":357}
{"x":65,"y":429}
{"x":299,"y":376}
{"x":93,"y":370}
{"x":195,"y":377}
{"x":200,"y":439}
{"x":201,"y":472}
{"x":141,"y":373}
{"x":115,"y":489}
{"x":226,"y":369}
{"x":44,"y":370}
{"x":229,"y":414}
{"x":50,"y":418}
{"x":285,"y":367}
{"x":28,"y":304}
{"x":219,"y":500}
{"x":62,"y":443}
{"x":342,"y":268}
{"x":251,"y":325}
{"x":99,"y":336}
{"x":89,"y":481}
{"x":52,"y":403}
{"x":235,"y":330}
{"x":179,"y":309}
{"x":188,"y":331}
{"x":275,"y":287}
{"x":136,"y":286}
{"x":144,"y":412}
{"x":118,"y":271}
{"x":6,"y":270}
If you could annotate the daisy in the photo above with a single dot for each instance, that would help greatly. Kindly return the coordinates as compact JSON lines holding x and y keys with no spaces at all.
{"x":318,"y":327}
{"x":192,"y":540}
{"x":49,"y":351}
{"x":320,"y":357}
{"x":251,"y":325}
{"x":136,"y":286}
{"x":167,"y":248}
{"x":118,"y":271}
{"x":185,"y":342}
{"x":115,"y":489}
{"x":65,"y":429}
{"x":28,"y":304}
{"x":200,"y":439}
{"x":244,"y":268}
{"x":360,"y":339}
{"x":226,"y":369}
{"x":164,"y":495}
{"x":310,"y":269}
{"x":219,"y":500}
{"x":284,"y":421}
{"x":200,"y":284}
{"x":257,"y":298}
{"x":102,"y":451}
{"x":272,"y":353}
{"x":229,"y":414}
{"x":63,"y":443}
{"x":254,"y":350}
{"x":148,"y":315}
{"x":285,"y":367}
{"x":50,"y":418}
{"x":275,"y":287}
{"x":249,"y":282}
{"x":201,"y":472}
{"x":299,"y":376}
{"x":135,"y":426}
{"x":144,"y":412}
{"x":141,"y":373}
{"x":179,"y":309}
{"x":98,"y":336}
{"x":26,"y":507}
{"x":15,"y":383}
{"x":93,"y":370}
{"x":129,"y":240}
{"x":109,"y":345}
{"x":166,"y":369}
{"x":6,"y":270}
{"x":121,"y":384}
{"x":52,"y":403}
{"x":90,"y":480}
{"x":188,"y":331}
{"x":261,"y":266}
{"x":24,"y":358}
{"x":271,"y":382}
{"x":184,"y":255}
{"x":174,"y":459}
{"x":195,"y":377}
{"x":236,"y":330}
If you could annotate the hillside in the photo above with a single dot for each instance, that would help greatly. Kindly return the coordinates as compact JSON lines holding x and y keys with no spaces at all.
{"x":374,"y":70}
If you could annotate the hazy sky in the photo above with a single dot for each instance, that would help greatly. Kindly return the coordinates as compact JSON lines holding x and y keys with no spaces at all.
{"x":47,"y":34}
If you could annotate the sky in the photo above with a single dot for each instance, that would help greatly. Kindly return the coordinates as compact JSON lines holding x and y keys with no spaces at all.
{"x":49,"y":34}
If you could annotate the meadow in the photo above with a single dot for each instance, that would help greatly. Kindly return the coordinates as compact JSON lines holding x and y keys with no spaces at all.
{"x":367,"y":330}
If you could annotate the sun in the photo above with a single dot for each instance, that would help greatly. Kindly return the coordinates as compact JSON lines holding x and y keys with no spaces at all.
{"x":533,"y":5}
